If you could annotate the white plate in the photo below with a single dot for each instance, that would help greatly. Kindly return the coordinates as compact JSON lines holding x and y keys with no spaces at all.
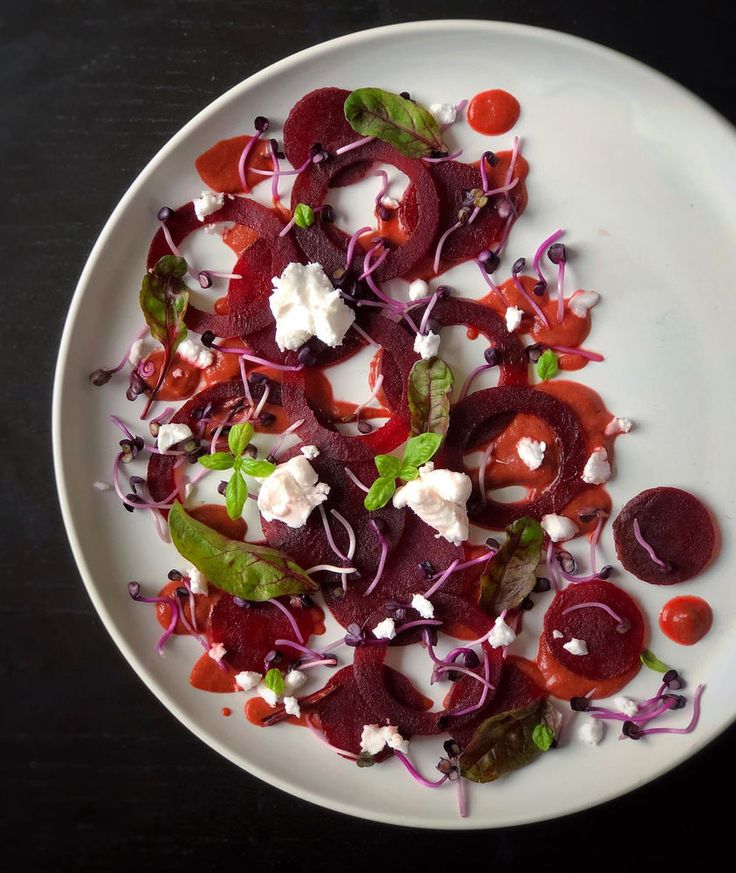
{"x":640,"y":172}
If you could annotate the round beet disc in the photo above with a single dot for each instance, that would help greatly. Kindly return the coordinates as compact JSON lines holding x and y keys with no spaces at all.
{"x":678,"y":528}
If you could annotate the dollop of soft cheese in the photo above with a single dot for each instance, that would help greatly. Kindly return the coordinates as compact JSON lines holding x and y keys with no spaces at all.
{"x":207,"y":203}
{"x":268,"y":694}
{"x":291,"y":492}
{"x":438,"y":497}
{"x":293,"y":681}
{"x":591,"y":731}
{"x":427,"y":344}
{"x":305,"y":304}
{"x":531,"y":452}
{"x":195,"y":353}
{"x":626,"y":705}
{"x":618,"y":425}
{"x":171,"y":434}
{"x":576,"y":646}
{"x":423,"y":606}
{"x":217,"y":652}
{"x":418,"y":289}
{"x":247,"y":680}
{"x":597,"y":470}
{"x":375,"y":738}
{"x":444,"y":113}
{"x":501,"y":634}
{"x":291,"y":706}
{"x":559,"y":528}
{"x":385,"y":630}
{"x":197,"y":581}
{"x":582,"y":301}
{"x":513,"y":318}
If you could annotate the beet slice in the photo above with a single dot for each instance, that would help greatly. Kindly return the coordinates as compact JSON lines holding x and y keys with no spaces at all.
{"x":319,"y":117}
{"x":327,"y":244}
{"x":396,"y":362}
{"x":610,"y":653}
{"x":248,"y":632}
{"x":676,"y":525}
{"x":484,"y":414}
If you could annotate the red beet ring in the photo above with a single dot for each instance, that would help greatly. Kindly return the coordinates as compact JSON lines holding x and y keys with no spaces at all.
{"x":610,"y":654}
{"x":396,"y":362}
{"x":484,"y":415}
{"x":327,"y":244}
{"x":676,"y":525}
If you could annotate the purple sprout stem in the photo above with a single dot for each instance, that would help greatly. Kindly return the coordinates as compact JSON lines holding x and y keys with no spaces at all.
{"x":141,"y":333}
{"x":693,"y":721}
{"x":296,"y":172}
{"x":491,"y":284}
{"x":441,"y":243}
{"x":552,"y":567}
{"x":594,"y":539}
{"x":359,"y":329}
{"x":442,"y":579}
{"x":472,"y":562}
{"x":482,"y":472}
{"x":277,"y":447}
{"x":292,"y":621}
{"x":276,"y":173}
{"x":119,"y":424}
{"x":352,"y":243}
{"x":647,"y":548}
{"x":374,"y":265}
{"x":415,"y":774}
{"x":381,"y":561}
{"x":484,"y":693}
{"x":384,"y":186}
{"x":583,"y":353}
{"x":263,"y":361}
{"x":354,"y":145}
{"x":461,"y":803}
{"x":298,"y":646}
{"x":170,"y":241}
{"x":596,"y":605}
{"x":543,"y":246}
{"x":427,"y":313}
{"x":466,"y":671}
{"x":420,"y":622}
{"x":354,"y":479}
{"x":450,"y":157}
{"x":328,"y":532}
{"x":467,"y":383}
{"x":561,"y":292}
{"x":533,"y":303}
{"x":244,"y":155}
{"x":307,"y":665}
{"x":367,"y":270}
{"x":166,"y":504}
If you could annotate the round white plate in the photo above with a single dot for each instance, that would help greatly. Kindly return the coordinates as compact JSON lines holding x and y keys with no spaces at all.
{"x":640,"y":173}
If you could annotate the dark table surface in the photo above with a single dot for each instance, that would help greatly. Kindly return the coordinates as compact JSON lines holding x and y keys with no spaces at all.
{"x":96,"y":774}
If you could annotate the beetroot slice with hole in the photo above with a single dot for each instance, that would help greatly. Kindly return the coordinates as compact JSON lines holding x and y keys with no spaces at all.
{"x":327,"y":244}
{"x":396,"y":362}
{"x":484,"y":415}
{"x":676,"y":525}
{"x":610,"y":653}
{"x":319,"y":117}
{"x":248,"y":632}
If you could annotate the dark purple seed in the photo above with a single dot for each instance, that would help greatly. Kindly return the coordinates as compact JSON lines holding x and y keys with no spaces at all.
{"x":557,"y":253}
{"x":327,"y":213}
{"x":222,"y":487}
{"x":165,"y":213}
{"x":138,"y":443}
{"x":128,"y":507}
{"x":491,"y":158}
{"x":534,"y":352}
{"x":281,"y":155}
{"x":427,"y":569}
{"x":492,"y":356}
{"x":208,"y":338}
{"x":181,"y":592}
{"x":527,"y":603}
{"x":274,"y":145}
{"x":405,"y":94}
{"x":266,"y":418}
{"x":518,"y":265}
{"x":451,"y":748}
{"x":384,"y":213}
{"x":261,"y":123}
{"x":540,"y":288}
{"x":205,"y":279}
{"x":490,"y":265}
{"x":100,"y":377}
{"x":443,"y":291}
{"x":175,"y":575}
{"x":605,"y":572}
{"x":315,"y":149}
{"x":566,"y":561}
{"x":136,"y":386}
{"x":672,"y":680}
{"x":542,"y":584}
{"x":470,"y":659}
{"x":678,"y":700}
{"x":257,"y":378}
{"x":134,"y":589}
{"x":632,"y":730}
{"x":274,"y":657}
{"x":493,"y":543}
{"x":306,"y":356}
{"x":579,"y":704}
{"x":433,"y":326}
{"x":438,"y":153}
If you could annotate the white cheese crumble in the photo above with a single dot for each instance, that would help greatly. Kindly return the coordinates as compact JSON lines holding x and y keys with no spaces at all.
{"x":576,"y":646}
{"x":423,"y":606}
{"x":439,"y":498}
{"x":618,"y":425}
{"x":291,"y":705}
{"x":385,"y":630}
{"x":310,"y":452}
{"x":291,"y":492}
{"x":197,"y":581}
{"x":501,"y":634}
{"x":137,"y":352}
{"x":444,"y":113}
{"x":531,"y":452}
{"x":597,"y":470}
{"x":102,"y":486}
{"x":207,"y":203}
{"x":582,"y":301}
{"x":591,"y":731}
{"x":293,"y":681}
{"x":247,"y":680}
{"x":305,"y":304}
{"x":211,"y":228}
{"x":270,"y":696}
{"x":557,"y":635}
{"x":427,"y":344}
{"x":375,"y":738}
{"x":418,"y":289}
{"x":559,"y":528}
{"x":217,"y":652}
{"x":195,"y":353}
{"x":389,"y":202}
{"x":171,"y":434}
{"x":626,"y":705}
{"x":513,"y":318}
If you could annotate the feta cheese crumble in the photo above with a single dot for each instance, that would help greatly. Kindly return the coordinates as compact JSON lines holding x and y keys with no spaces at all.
{"x":389,"y":202}
{"x":618,"y":425}
{"x":418,"y":289}
{"x":591,"y":731}
{"x":195,"y":353}
{"x":102,"y":486}
{"x":385,"y":630}
{"x":137,"y":352}
{"x":626,"y":705}
{"x":427,"y":344}
{"x":375,"y":738}
{"x":582,"y":301}
{"x":576,"y":646}
{"x":171,"y":434}
{"x":444,"y":113}
{"x":305,"y":304}
{"x":531,"y":452}
{"x":207,"y":203}
{"x":597,"y":470}
{"x":291,"y":492}
{"x":557,"y":635}
{"x":291,"y":705}
{"x":439,"y":498}
{"x":310,"y":452}
{"x":559,"y":528}
{"x":270,"y":696}
{"x":501,"y":634}
{"x":197,"y":581}
{"x":247,"y":680}
{"x":217,"y":652}
{"x":293,"y":681}
{"x":423,"y":606}
{"x":513,"y":318}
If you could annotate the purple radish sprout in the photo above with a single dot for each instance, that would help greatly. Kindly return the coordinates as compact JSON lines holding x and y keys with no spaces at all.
{"x":583,"y":353}
{"x":134,"y":590}
{"x":349,"y":530}
{"x":443,"y":158}
{"x":484,"y":693}
{"x":622,"y":623}
{"x":321,"y":662}
{"x":329,"y":568}
{"x":540,"y":251}
{"x":471,"y":563}
{"x":647,"y":548}
{"x":374,"y":265}
{"x":354,"y":479}
{"x":354,"y":145}
{"x":420,"y":622}
{"x":366,"y":337}
{"x":165,"y":504}
{"x":442,"y":579}
{"x":533,"y":303}
{"x":291,"y":368}
{"x":594,"y":539}
{"x":456,"y":668}
{"x":427,"y":313}
{"x":352,"y":243}
{"x":119,"y":424}
{"x":276,"y":171}
{"x":278,"y":445}
{"x":558,"y":255}
{"x":328,"y":533}
{"x":103,"y":375}
{"x":482,"y":472}
{"x":415,"y":774}
{"x":381,"y":561}
{"x":245,"y":154}
{"x":170,"y":240}
{"x":491,"y":284}
{"x":262,"y":402}
{"x":469,"y":380}
{"x":552,"y":568}
{"x":384,"y":186}
{"x":441,"y":242}
{"x":298,"y":646}
{"x":292,"y":621}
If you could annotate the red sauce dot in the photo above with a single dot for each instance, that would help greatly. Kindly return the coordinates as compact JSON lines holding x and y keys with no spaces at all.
{"x":226,"y":711}
{"x":686,"y":620}
{"x":493,"y":112}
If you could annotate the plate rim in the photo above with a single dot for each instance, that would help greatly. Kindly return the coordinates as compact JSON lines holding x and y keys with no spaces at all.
{"x":60,"y":377}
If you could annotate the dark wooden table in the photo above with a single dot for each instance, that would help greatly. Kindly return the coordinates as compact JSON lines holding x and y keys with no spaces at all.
{"x":96,"y":775}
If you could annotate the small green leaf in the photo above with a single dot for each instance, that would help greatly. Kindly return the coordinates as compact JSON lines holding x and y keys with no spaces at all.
{"x":542,"y":737}
{"x":257,"y":468}
{"x":408,"y":127}
{"x":408,"y":472}
{"x":274,"y":681}
{"x":380,"y":492}
{"x":217,"y":461}
{"x":303,"y":215}
{"x":430,"y":385}
{"x":236,"y":494}
{"x":420,"y":449}
{"x":650,"y":660}
{"x":547,"y":365}
{"x":239,"y":437}
{"x":388,"y":465}
{"x":509,"y":576}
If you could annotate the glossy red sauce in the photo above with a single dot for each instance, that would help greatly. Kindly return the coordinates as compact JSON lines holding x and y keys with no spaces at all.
{"x":181,"y":381}
{"x":239,"y":238}
{"x":493,"y":112}
{"x":218,"y":166}
{"x":207,"y":675}
{"x":256,"y":710}
{"x":203,"y":603}
{"x":226,"y":711}
{"x":686,"y":620}
{"x":563,"y":683}
{"x":215,"y":515}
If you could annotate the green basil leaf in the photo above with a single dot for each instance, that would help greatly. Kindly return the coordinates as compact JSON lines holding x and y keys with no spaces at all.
{"x":242,"y":569}
{"x":650,"y":660}
{"x":274,"y":681}
{"x":547,"y":365}
{"x":502,"y":743}
{"x":388,"y":465}
{"x":409,"y":128}
{"x":257,"y":468}
{"x":164,"y":298}
{"x":510,"y":576}
{"x":380,"y":492}
{"x":542,"y":737}
{"x":303,"y":215}
{"x":239,"y":437}
{"x":408,"y":472}
{"x":217,"y":461}
{"x":430,"y":385}
{"x":236,"y":494}
{"x":419,"y":449}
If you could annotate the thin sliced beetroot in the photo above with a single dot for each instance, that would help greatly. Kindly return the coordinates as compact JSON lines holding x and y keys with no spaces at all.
{"x":610,"y":653}
{"x":396,"y":362}
{"x":248,"y":632}
{"x":327,"y":244}
{"x":484,"y":415}
{"x":676,"y":525}
{"x":319,"y":117}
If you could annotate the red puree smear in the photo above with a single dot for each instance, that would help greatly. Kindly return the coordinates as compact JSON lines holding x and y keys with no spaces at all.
{"x":226,"y":711}
{"x":218,"y":166}
{"x":215,"y":516}
{"x":493,"y":112}
{"x":686,"y":620}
